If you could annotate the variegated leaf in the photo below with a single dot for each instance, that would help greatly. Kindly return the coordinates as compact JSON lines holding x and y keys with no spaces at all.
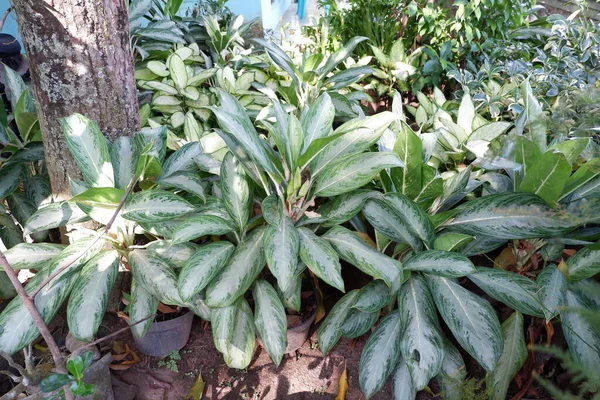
{"x":201,"y":225}
{"x":291,"y":297}
{"x":155,"y":206}
{"x":329,"y":332}
{"x":239,"y":273}
{"x":510,"y":216}
{"x":584,"y":264}
{"x":198,"y":306}
{"x":343,"y":208}
{"x":240,"y":347}
{"x":422,"y":344}
{"x":409,"y":148}
{"x":588,"y":290}
{"x":357,"y":323}
{"x":384,"y":218}
{"x":32,"y":255}
{"x":512,"y":359}
{"x":320,"y":258}
{"x":281,"y":246}
{"x":553,"y":286}
{"x":89,"y":149}
{"x":175,"y":254}
{"x":514,"y":290}
{"x":89,"y":296}
{"x":355,"y":251}
{"x":156,"y":275}
{"x":202,"y":267}
{"x":317,"y":121}
{"x":414,"y":215}
{"x":352,"y":172}
{"x":188,"y":181}
{"x":452,"y":374}
{"x":141,"y":308}
{"x":53,"y":216}
{"x":440,"y":263}
{"x":373,"y":297}
{"x":182,"y":160}
{"x":403,"y":387}
{"x":451,"y":241}
{"x":123,"y":159}
{"x":270,"y":320}
{"x":37,"y":190}
{"x":470,"y":318}
{"x":582,"y":337}
{"x":236,"y":190}
{"x":380,"y":355}
{"x":221,"y":321}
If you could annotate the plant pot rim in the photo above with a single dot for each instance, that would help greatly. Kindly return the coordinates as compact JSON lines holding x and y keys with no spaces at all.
{"x":162,"y":326}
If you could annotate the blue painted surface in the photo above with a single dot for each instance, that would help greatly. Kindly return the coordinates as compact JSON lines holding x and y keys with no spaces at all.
{"x":10,"y":26}
{"x":269,"y":12}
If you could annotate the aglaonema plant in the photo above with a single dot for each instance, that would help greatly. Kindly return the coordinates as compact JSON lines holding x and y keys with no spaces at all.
{"x":430,"y":240}
{"x":86,"y":269}
{"x":304,"y":162}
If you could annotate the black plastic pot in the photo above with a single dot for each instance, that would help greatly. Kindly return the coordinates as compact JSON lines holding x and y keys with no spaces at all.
{"x":98,"y":375}
{"x":166,"y":336}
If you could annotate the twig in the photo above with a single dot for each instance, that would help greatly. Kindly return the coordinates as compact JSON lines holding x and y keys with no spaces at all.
{"x":59,"y":362}
{"x":3,"y":20}
{"x":12,"y":363}
{"x":58,"y":271}
{"x":116,"y":333}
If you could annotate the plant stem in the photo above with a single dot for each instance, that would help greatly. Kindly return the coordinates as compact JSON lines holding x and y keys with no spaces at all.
{"x":59,"y":362}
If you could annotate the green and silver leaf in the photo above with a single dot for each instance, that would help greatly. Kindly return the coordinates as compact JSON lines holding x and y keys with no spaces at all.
{"x":270,"y":320}
{"x":320,"y":258}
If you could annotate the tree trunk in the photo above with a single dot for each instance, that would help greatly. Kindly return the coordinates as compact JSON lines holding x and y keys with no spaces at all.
{"x":80,"y":61}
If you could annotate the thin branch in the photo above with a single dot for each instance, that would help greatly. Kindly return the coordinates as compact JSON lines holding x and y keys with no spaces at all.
{"x":12,"y":363}
{"x":116,"y":333}
{"x":3,"y":20}
{"x":59,"y":362}
{"x":13,"y":377}
{"x":58,"y":271}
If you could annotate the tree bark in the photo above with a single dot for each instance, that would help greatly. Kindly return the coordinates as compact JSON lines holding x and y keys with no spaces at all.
{"x":80,"y":61}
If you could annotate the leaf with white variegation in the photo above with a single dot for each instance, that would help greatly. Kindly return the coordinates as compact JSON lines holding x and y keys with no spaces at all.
{"x":409,"y":148}
{"x":316,"y":123}
{"x":89,"y":149}
{"x":355,"y":251}
{"x":422,"y":344}
{"x":452,"y":373}
{"x":451,"y":241}
{"x":416,"y":218}
{"x":357,"y":323}
{"x":292,"y":297}
{"x":584,"y":264}
{"x":201,"y":225}
{"x":329,"y":332}
{"x":270,"y":320}
{"x":553,"y":286}
{"x":239,"y":273}
{"x":514,"y":290}
{"x":403,"y":387}
{"x":582,"y":337}
{"x":236,"y":190}
{"x":510,"y":216}
{"x":182,"y":160}
{"x":380,"y":355}
{"x":188,"y":181}
{"x":123,"y":160}
{"x":373,"y":297}
{"x":353,"y":172}
{"x":155,"y":206}
{"x":512,"y":359}
{"x":156,"y":275}
{"x":343,"y":208}
{"x":440,"y":263}
{"x":240,"y":347}
{"x":141,"y":307}
{"x":175,"y":254}
{"x":320,"y":258}
{"x":202,"y":267}
{"x":32,"y":255}
{"x":89,"y":296}
{"x":221,"y":322}
{"x":281,"y":246}
{"x":471,"y":319}
{"x":386,"y":220}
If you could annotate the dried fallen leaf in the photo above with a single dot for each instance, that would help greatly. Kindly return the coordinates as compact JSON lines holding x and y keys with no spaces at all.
{"x":165,"y":309}
{"x":341,"y":395}
{"x":119,"y":367}
{"x":506,"y":259}
{"x":320,"y":314}
{"x":366,"y":238}
{"x":197,"y":389}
